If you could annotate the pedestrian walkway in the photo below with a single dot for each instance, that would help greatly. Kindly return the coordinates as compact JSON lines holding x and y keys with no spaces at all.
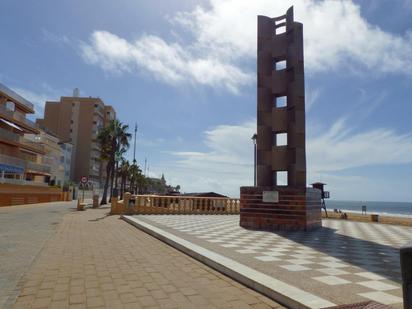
{"x":100,"y":261}
{"x":24,"y":229}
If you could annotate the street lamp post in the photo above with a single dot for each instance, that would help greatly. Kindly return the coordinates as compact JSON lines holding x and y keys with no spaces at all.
{"x":254,"y":138}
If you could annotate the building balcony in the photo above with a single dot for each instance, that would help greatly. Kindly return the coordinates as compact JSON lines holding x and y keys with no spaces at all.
{"x":28,"y":143}
{"x":33,"y":167}
{"x":23,"y":182}
{"x":17,"y":98}
{"x":94,"y":172}
{"x":12,"y":162}
{"x":9,"y":135}
{"x":20,"y":141}
{"x":95,"y":146}
{"x":15,"y":165}
{"x":19,"y":119}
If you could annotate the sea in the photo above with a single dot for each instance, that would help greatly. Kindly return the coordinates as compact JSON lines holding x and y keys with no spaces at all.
{"x":403,"y":209}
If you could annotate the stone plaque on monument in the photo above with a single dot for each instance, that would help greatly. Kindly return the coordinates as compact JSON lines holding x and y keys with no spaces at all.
{"x":270,"y":197}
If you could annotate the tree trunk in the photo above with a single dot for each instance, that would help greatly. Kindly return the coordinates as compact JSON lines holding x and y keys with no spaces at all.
{"x":121,"y":186}
{"x":111,"y":181}
{"x":116,"y":173}
{"x":106,"y":185}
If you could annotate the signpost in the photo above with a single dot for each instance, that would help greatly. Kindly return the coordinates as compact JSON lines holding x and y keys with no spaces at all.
{"x":83,"y":181}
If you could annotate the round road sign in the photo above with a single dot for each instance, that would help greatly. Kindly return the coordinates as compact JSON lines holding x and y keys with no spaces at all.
{"x":84,"y":179}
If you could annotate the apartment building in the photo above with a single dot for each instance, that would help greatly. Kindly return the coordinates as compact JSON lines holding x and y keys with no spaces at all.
{"x":78,"y":120}
{"x":20,"y":158}
{"x":57,"y":155}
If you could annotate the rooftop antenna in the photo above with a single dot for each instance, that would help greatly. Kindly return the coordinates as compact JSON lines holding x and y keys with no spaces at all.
{"x":134,"y":148}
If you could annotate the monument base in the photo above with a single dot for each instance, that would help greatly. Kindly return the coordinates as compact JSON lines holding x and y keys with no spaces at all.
{"x":261,"y":208}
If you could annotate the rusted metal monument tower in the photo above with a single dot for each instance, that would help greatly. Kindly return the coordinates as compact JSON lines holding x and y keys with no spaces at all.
{"x":280,"y":115}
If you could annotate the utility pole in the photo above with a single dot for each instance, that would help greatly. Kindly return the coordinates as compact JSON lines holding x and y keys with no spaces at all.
{"x":145,"y":164}
{"x":134,"y":148}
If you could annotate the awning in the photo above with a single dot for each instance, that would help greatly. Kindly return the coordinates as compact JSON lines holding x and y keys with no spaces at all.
{"x":11,"y":124}
{"x":11,"y":169}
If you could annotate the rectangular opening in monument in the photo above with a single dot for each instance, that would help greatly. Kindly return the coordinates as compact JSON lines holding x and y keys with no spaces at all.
{"x":281,"y":178}
{"x":281,"y":101}
{"x":281,"y":139}
{"x":280,"y":30}
{"x":280,"y":65}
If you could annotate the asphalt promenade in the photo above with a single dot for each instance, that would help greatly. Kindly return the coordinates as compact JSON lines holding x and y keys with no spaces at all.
{"x":91,"y":260}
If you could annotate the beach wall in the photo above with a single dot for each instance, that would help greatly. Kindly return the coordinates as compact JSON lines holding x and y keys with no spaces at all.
{"x":11,"y":194}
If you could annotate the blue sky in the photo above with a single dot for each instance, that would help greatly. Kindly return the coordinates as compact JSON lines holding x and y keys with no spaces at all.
{"x":185,"y":72}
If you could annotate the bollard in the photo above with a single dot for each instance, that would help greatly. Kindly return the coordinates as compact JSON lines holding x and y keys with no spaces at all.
{"x":375,"y":218}
{"x":406,"y":269}
{"x":95,"y":201}
{"x":126,"y":202}
{"x":113,"y":207}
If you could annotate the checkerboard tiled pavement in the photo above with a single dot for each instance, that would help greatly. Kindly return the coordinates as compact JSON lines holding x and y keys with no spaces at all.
{"x":343,"y":262}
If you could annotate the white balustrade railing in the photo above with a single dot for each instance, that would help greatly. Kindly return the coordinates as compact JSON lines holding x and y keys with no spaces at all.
{"x":155,"y":204}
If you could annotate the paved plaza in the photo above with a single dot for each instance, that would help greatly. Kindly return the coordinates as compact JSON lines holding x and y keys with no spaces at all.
{"x":92,"y":260}
{"x":344,"y":262}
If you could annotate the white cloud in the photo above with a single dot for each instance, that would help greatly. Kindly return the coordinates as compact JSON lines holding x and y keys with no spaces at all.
{"x":170,"y":63}
{"x":312,"y":96}
{"x":224,"y":37}
{"x":339,"y":148}
{"x":334,"y":32}
{"x":228,"y":162}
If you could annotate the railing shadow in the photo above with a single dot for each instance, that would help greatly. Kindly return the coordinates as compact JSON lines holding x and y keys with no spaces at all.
{"x":373,"y":257}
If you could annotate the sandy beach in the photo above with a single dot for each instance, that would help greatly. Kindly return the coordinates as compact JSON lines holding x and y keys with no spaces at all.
{"x":369,"y":217}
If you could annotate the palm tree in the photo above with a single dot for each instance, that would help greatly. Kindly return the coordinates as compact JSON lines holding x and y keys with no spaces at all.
{"x":113,"y":140}
{"x":121,"y":141}
{"x":135,"y":177}
{"x":124,"y":175}
{"x":104,"y":139}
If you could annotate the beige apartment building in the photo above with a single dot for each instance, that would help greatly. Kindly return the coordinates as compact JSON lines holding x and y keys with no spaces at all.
{"x":78,"y":120}
{"x":20,"y":158}
{"x":57,"y":155}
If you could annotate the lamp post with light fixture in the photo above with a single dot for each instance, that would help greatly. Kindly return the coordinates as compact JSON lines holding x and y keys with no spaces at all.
{"x":254,"y":138}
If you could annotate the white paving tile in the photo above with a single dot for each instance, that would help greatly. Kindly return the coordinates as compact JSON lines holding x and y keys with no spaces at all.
{"x":378,"y":285}
{"x":300,"y":261}
{"x":382,"y":297}
{"x":246,"y":251}
{"x":369,"y":275}
{"x":295,"y":267}
{"x":331,"y":280}
{"x":333,"y":264}
{"x":333,"y":271}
